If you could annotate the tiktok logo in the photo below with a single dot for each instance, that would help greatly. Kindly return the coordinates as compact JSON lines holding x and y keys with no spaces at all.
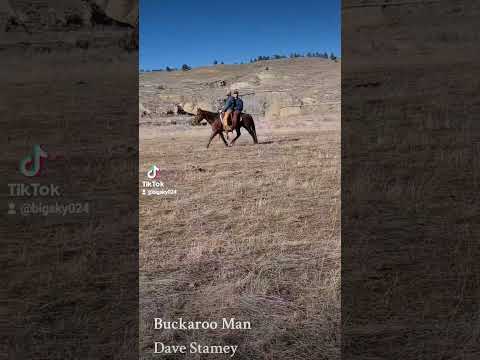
{"x":31,"y":165}
{"x":153,"y":172}
{"x":154,"y":186}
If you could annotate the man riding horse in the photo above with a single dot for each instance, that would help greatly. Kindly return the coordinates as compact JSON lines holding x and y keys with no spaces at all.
{"x":227,"y":111}
{"x":219,"y":120}
{"x":237,"y":109}
{"x":233,"y":108}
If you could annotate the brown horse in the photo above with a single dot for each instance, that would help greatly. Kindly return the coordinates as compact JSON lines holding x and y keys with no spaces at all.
{"x":245,"y":121}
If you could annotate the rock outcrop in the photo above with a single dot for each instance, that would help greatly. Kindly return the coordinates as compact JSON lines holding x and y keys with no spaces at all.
{"x":143,"y":111}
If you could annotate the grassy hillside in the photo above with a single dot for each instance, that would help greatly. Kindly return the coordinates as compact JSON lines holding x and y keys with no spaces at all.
{"x":274,"y":89}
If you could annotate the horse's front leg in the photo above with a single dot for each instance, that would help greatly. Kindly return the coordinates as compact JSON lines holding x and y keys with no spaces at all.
{"x":223,"y":138}
{"x":214,"y":133}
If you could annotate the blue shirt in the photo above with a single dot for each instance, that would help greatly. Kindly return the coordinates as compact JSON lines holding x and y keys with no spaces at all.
{"x":238,"y":105}
{"x":230,"y":104}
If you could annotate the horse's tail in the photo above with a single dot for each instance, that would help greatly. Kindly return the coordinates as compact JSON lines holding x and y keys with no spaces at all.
{"x":254,"y":132}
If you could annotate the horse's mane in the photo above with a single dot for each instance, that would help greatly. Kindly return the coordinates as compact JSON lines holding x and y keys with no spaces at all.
{"x":215,"y":114}
{"x":208,"y":112}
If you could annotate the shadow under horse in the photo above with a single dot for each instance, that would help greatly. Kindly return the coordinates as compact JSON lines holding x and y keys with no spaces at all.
{"x":244,"y":120}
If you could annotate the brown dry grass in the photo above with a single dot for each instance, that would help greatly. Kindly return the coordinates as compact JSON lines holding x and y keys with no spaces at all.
{"x":253,"y":233}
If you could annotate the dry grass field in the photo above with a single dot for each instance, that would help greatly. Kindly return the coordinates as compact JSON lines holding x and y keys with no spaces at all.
{"x":252,"y":233}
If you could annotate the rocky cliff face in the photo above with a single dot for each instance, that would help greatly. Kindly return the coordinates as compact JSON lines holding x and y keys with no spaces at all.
{"x":68,"y":26}
{"x":47,"y":15}
{"x":271,"y":89}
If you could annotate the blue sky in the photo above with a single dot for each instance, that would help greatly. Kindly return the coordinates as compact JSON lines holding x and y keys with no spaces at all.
{"x":197,"y":32}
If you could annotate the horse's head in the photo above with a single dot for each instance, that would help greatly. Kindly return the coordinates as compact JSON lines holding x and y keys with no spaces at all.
{"x":199,"y":117}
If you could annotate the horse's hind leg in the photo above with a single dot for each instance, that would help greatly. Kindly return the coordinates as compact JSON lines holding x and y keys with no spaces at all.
{"x":238,"y":135}
{"x":252,"y":133}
